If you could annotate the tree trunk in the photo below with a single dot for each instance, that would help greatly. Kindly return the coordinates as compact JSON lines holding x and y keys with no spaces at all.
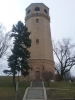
{"x":13,"y":79}
{"x":62,"y":74}
{"x":18,"y":76}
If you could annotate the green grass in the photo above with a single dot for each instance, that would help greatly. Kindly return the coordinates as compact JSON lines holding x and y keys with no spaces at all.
{"x":53,"y":93}
{"x":61,"y":85}
{"x":61,"y":90}
{"x":7,"y":91}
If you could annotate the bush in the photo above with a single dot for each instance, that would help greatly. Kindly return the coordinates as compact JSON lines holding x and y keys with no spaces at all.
{"x":58,"y":77}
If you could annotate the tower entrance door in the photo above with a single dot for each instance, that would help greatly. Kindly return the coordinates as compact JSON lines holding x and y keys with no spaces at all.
{"x":37,"y":75}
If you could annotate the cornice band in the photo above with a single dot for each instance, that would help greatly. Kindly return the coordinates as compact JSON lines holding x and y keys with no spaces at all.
{"x":36,"y":15}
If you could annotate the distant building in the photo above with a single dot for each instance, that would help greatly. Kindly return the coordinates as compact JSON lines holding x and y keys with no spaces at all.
{"x":38,"y":22}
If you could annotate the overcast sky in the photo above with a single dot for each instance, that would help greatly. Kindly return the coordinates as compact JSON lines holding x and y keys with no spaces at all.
{"x":62,"y":14}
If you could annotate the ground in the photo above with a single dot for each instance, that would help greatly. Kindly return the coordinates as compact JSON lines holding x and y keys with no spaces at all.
{"x":60,"y":90}
{"x":55,"y":90}
{"x":7,"y":91}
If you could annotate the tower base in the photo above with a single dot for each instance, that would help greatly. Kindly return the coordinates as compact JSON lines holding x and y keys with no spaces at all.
{"x":37,"y":67}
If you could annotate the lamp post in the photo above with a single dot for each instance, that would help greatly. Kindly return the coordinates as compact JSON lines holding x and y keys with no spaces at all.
{"x":16,"y":91}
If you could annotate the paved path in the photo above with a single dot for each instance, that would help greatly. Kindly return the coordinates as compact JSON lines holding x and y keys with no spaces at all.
{"x":36,"y":91}
{"x":36,"y":83}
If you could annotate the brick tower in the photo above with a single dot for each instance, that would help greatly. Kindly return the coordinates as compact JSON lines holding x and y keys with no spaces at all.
{"x":38,"y":22}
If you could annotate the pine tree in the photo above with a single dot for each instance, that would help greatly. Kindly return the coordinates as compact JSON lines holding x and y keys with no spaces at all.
{"x":18,"y":61}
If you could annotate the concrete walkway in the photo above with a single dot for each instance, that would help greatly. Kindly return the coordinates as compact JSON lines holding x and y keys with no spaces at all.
{"x":36,"y":91}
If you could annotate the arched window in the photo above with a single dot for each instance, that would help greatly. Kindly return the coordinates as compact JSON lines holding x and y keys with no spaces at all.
{"x":28,"y":11}
{"x":45,"y":11}
{"x":37,"y":9}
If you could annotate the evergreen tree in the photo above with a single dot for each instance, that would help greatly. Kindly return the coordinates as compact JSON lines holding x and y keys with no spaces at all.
{"x":18,"y":61}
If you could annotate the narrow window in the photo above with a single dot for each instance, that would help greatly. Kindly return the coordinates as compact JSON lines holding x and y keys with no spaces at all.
{"x":37,"y":20}
{"x":37,"y":41}
{"x":28,"y":11}
{"x":45,"y":11}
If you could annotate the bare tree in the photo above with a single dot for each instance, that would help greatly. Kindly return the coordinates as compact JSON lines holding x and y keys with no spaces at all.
{"x":64,"y":52}
{"x":47,"y":76}
{"x":4,"y":40}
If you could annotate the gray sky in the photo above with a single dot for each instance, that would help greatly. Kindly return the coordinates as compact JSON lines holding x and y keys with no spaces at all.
{"x":62,"y":14}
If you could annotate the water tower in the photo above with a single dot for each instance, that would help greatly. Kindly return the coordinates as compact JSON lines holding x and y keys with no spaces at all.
{"x":38,"y":22}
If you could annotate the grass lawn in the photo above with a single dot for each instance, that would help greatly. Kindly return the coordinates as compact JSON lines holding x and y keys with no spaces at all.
{"x":60,"y":90}
{"x":7,"y":91}
{"x":55,"y":90}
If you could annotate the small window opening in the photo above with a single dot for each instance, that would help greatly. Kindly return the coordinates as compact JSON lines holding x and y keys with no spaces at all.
{"x":28,"y":11}
{"x":37,"y":41}
{"x":37,"y":9}
{"x":37,"y":20}
{"x":45,"y":11}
